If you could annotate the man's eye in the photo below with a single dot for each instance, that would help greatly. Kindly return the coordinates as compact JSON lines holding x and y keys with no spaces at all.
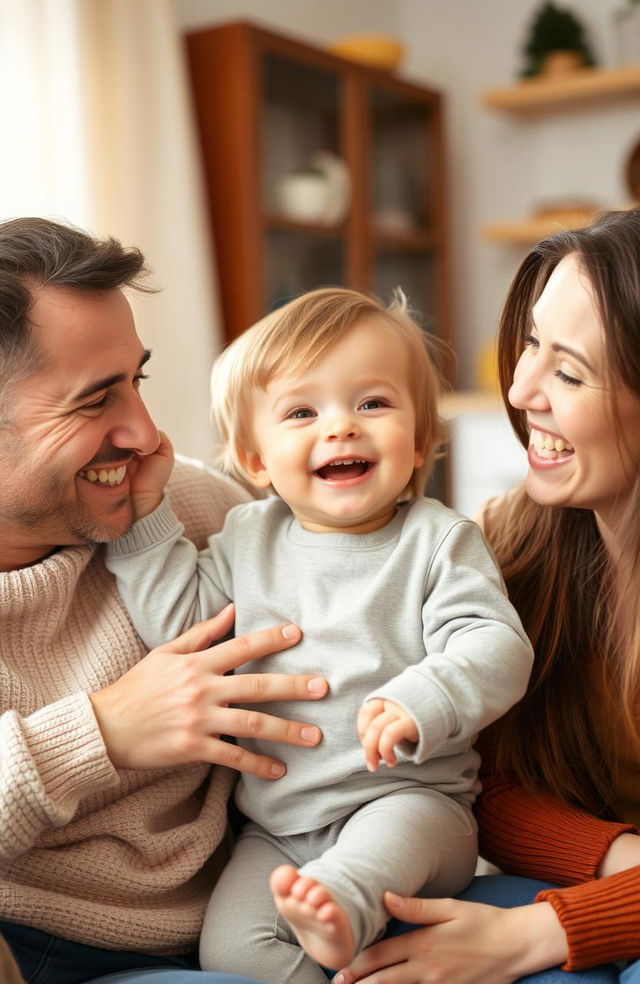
{"x":374,"y":403}
{"x":96,"y":403}
{"x":138,"y":379}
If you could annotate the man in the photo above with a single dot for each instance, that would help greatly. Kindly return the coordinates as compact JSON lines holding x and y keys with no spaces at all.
{"x":112,"y":823}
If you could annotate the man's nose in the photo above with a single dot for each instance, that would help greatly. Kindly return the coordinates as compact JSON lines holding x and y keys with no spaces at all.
{"x":136,"y":430}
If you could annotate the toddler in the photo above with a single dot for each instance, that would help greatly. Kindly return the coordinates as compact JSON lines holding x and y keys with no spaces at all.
{"x":330,"y":403}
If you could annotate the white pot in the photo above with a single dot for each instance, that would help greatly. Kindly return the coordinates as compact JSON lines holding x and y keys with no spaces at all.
{"x":304,"y":197}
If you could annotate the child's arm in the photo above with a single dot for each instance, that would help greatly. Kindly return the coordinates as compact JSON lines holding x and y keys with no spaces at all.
{"x":165,"y":583}
{"x":476,"y":658}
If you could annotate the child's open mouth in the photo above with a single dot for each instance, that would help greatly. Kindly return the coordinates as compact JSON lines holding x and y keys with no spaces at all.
{"x":339,"y":471}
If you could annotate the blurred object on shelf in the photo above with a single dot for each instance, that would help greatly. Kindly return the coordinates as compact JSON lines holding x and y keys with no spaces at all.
{"x":487,"y":368}
{"x":545,"y":220}
{"x":626,"y":29}
{"x":556,"y":43}
{"x":394,"y":220}
{"x":321,"y":193}
{"x":371,"y":49}
{"x":633,"y":173}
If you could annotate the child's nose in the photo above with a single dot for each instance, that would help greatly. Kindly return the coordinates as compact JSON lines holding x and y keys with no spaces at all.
{"x":341,"y":427}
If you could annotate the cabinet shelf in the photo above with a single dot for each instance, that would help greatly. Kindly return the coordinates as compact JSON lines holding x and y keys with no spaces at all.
{"x":416,"y":239}
{"x":313,"y":228}
{"x":585,"y":86}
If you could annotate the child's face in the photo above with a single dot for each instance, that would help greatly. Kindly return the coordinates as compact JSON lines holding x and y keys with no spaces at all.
{"x":337,"y":442}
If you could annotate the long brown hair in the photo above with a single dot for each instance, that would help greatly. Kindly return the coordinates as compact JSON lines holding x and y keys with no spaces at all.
{"x":583,"y":618}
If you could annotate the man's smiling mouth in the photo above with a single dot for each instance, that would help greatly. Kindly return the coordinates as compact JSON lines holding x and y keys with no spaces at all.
{"x":105,"y":476}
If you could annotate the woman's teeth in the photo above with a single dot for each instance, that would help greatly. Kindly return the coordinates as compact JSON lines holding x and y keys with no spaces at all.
{"x":106,"y":476}
{"x":547,"y":446}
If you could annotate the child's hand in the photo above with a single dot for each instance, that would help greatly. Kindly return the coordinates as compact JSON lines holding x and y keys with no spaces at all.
{"x":382,"y":725}
{"x":148,"y":476}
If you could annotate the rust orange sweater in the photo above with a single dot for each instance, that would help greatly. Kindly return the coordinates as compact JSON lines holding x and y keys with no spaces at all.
{"x":538,"y":836}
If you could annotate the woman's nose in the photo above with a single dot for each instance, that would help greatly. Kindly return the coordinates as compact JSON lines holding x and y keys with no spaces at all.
{"x":527,"y":390}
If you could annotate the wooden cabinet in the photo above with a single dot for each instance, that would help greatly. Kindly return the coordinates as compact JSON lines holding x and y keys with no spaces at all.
{"x":265,"y":106}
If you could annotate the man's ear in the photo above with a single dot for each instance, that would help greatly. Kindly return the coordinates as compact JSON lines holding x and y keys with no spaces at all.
{"x":255,"y":469}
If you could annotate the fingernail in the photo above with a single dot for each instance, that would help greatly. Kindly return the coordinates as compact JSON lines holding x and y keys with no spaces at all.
{"x":310,"y":734}
{"x":316,"y":686}
{"x":290,"y":631}
{"x":277,"y":770}
{"x":339,"y":979}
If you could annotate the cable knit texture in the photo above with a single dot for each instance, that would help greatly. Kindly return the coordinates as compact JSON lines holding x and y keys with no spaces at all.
{"x":119,"y":860}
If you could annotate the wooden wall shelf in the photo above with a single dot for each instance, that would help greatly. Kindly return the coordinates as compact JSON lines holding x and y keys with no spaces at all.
{"x":529,"y":231}
{"x":587,"y":86}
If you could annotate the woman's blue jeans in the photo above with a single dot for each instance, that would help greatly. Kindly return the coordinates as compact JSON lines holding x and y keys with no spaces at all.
{"x":507,"y":891}
{"x":45,"y":959}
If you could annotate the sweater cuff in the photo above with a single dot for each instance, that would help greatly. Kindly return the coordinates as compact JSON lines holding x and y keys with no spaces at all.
{"x":160,"y":525}
{"x":600,"y":919}
{"x":68,"y":750}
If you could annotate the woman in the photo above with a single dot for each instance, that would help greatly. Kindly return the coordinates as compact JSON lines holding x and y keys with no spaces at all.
{"x":562,"y":770}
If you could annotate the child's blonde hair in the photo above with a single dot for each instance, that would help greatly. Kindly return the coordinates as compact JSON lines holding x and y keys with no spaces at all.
{"x":296,"y":336}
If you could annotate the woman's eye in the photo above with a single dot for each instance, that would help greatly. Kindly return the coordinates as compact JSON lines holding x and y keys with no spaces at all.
{"x":373,"y":404}
{"x":530,"y":341}
{"x":300,"y":414}
{"x":571,"y":380}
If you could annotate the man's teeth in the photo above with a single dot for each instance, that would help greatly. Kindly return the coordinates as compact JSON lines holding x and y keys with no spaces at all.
{"x":547,"y":446}
{"x":106,"y":476}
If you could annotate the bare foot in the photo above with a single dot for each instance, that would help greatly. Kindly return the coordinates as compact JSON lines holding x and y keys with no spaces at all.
{"x":320,"y":924}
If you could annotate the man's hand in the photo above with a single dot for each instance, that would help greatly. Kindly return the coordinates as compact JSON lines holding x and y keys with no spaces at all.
{"x":148,"y":476}
{"x":382,"y":724}
{"x":172,"y":706}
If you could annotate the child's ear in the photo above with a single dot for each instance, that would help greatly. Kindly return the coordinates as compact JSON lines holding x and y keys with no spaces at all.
{"x":419,"y":455}
{"x":255,"y":469}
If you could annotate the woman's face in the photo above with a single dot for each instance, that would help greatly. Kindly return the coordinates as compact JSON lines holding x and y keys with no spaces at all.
{"x":578,"y":456}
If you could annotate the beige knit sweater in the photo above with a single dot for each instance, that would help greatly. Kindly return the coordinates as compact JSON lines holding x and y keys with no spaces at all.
{"x":120,"y":860}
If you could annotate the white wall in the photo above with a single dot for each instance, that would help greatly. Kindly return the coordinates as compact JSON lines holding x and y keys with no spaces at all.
{"x":500,"y":167}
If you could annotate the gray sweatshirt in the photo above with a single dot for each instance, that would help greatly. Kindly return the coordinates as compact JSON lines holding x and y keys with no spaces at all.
{"x":415,"y":612}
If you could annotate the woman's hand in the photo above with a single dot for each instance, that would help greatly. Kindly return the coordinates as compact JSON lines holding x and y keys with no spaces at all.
{"x":462,"y":943}
{"x":172,"y":707}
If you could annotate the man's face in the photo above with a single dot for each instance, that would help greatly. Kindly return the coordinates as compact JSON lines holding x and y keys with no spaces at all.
{"x":69,"y":430}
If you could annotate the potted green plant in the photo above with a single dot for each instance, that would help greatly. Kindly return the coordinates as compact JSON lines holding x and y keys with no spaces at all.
{"x":556,"y":43}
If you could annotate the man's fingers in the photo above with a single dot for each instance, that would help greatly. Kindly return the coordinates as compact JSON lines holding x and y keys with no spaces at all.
{"x":235,"y":652}
{"x":200,"y":636}
{"x":220,"y":752}
{"x":258,"y":688}
{"x":253,"y":724}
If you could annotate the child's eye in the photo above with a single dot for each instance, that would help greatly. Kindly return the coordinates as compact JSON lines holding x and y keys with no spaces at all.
{"x":373,"y":403}
{"x":300,"y":413}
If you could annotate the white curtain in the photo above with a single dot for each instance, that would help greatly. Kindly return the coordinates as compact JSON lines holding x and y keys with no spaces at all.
{"x":96,"y":128}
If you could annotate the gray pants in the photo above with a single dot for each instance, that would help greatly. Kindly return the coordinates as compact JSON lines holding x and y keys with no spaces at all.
{"x":415,"y":841}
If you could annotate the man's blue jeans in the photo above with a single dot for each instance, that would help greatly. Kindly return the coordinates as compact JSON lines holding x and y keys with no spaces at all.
{"x":45,"y":959}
